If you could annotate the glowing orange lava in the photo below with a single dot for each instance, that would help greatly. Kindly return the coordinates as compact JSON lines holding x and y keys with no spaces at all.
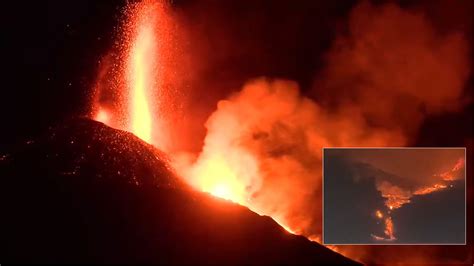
{"x":221,"y":175}
{"x":388,"y":231}
{"x":396,"y":197}
{"x":102,"y":116}
{"x":140,"y":81}
{"x":132,"y":77}
{"x":379,"y":214}
{"x":450,"y":175}
{"x":389,"y":228}
{"x":427,"y":190}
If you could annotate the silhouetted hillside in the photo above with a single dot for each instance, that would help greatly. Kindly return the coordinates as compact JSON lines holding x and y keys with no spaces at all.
{"x":89,"y":193}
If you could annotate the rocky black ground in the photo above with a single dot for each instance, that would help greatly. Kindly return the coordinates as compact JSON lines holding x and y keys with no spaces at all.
{"x":85,"y":192}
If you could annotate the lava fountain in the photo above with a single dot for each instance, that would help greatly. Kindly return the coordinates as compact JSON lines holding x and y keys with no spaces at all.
{"x":140,"y":82}
{"x":137,"y":80}
{"x":225,"y":169}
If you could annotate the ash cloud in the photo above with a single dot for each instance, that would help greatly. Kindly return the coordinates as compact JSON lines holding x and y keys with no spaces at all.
{"x":382,"y":77}
{"x":395,"y":67}
{"x":282,"y":133}
{"x":399,"y":67}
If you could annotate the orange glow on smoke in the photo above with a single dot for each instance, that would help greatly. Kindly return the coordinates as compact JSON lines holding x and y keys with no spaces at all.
{"x":220,"y":175}
{"x":450,"y":175}
{"x":217,"y":178}
{"x":258,"y":152}
{"x":395,"y":201}
{"x":102,"y":116}
{"x":459,"y":165}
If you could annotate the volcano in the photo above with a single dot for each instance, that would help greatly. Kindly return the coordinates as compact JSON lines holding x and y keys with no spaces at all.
{"x":85,"y":192}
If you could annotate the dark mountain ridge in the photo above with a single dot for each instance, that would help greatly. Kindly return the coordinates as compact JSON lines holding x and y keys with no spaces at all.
{"x":85,"y":192}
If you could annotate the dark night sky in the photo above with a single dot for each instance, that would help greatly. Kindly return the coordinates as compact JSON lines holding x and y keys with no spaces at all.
{"x":51,"y":51}
{"x":50,"y":60}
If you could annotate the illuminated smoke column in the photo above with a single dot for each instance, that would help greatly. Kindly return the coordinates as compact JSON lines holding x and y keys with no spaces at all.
{"x":263,"y":150}
{"x":263,"y":144}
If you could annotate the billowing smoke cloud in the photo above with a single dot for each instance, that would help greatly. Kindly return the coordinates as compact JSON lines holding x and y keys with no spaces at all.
{"x":384,"y":75}
{"x":395,"y":67}
{"x":263,"y":150}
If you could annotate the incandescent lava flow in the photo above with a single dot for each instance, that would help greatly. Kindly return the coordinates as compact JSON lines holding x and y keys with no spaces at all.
{"x":396,"y":197}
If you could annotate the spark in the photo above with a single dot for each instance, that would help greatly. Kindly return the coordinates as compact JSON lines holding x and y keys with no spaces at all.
{"x":379,"y":214}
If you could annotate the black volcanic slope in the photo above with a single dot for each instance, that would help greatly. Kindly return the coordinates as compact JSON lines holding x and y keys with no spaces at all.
{"x":88,"y":193}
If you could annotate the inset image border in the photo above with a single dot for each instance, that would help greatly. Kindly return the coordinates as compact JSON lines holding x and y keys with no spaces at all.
{"x":394,"y":243}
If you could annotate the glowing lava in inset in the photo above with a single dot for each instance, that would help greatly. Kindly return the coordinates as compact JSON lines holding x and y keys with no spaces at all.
{"x":388,"y":231}
{"x":389,"y":228}
{"x":396,"y":197}
{"x":427,"y":190}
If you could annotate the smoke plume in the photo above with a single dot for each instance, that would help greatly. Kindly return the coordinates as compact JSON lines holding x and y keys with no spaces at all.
{"x":268,"y":137}
{"x":389,"y":71}
{"x":395,"y":67}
